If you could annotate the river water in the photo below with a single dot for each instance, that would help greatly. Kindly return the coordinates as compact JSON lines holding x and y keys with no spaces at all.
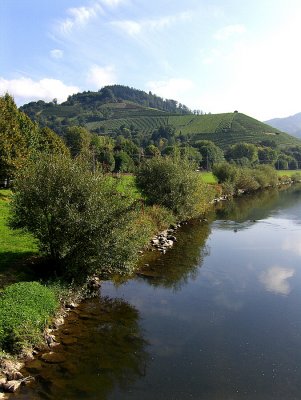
{"x":218,"y":317}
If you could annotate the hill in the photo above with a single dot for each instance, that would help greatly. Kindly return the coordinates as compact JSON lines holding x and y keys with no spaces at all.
{"x":116,"y":109}
{"x":291,"y":125}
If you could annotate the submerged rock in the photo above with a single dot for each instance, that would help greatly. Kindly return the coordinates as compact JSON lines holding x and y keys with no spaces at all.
{"x":53,"y":358}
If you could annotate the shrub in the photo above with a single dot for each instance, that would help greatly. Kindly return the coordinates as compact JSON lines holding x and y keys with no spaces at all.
{"x":296,"y":177}
{"x":225,"y":172}
{"x":25,"y":310}
{"x":234,"y":178}
{"x":83,"y":223}
{"x":173,"y":183}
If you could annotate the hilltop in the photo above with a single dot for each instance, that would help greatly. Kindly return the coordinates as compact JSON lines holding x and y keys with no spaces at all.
{"x":117,"y":108}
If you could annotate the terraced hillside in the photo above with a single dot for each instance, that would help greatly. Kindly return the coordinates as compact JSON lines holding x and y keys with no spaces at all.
{"x":223,"y":129}
{"x":116,"y":106}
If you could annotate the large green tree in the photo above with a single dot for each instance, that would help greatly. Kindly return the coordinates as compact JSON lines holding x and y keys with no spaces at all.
{"x":19,"y":136}
{"x":210,"y":152}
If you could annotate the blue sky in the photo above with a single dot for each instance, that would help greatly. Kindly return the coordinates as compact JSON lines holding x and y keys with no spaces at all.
{"x":216,"y":56}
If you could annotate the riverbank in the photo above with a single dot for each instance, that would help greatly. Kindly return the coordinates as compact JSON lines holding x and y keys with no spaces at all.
{"x":161,"y":242}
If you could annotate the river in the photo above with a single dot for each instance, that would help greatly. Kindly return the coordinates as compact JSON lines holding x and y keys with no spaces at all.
{"x":218,"y":317}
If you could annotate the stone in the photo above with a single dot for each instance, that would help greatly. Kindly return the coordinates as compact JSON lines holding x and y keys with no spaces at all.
{"x":69,"y":340}
{"x":11,"y":386}
{"x":53,"y":358}
{"x":171,"y":237}
{"x":2,"y":381}
{"x":71,"y":305}
{"x":14,"y":375}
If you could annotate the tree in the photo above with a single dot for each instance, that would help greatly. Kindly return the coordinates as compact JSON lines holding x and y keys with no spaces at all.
{"x":173,"y":183}
{"x":78,"y":140}
{"x":123,"y":162}
{"x":151,"y":151}
{"x":83,"y":224}
{"x":50,"y":142}
{"x":19,"y":137}
{"x":242,"y":151}
{"x":211,"y":154}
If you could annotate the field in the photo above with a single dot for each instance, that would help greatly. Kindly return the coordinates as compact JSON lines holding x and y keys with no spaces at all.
{"x":15,"y":246}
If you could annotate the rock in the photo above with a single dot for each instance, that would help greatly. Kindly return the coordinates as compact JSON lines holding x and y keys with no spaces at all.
{"x":72,"y":305}
{"x":14,"y":375}
{"x":2,"y":381}
{"x":53,"y":358}
{"x":69,"y":340}
{"x":58,"y":322}
{"x":155,"y":241}
{"x":171,"y":237}
{"x":54,"y":344}
{"x":49,"y":339}
{"x":11,"y":386}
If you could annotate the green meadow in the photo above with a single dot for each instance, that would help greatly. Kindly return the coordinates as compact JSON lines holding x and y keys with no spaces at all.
{"x":15,"y":246}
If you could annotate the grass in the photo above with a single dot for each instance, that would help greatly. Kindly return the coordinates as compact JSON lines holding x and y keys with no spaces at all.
{"x":26,"y":307}
{"x":285,"y":172}
{"x":208,"y":177}
{"x":15,"y":246}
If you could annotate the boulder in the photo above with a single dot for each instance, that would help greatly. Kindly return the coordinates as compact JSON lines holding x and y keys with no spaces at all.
{"x":13,"y":375}
{"x":11,"y":386}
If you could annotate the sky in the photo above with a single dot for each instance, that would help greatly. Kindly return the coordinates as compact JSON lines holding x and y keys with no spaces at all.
{"x":215,"y":56}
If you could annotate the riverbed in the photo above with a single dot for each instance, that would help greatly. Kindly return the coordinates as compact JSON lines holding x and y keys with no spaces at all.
{"x":218,"y":317}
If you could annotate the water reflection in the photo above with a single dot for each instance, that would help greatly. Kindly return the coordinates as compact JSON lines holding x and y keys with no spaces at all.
{"x":102,"y":348}
{"x":275,"y":279}
{"x":181,"y":263}
{"x":292,"y":244}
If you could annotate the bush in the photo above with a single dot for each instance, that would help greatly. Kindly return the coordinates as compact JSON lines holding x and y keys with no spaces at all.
{"x":225,"y":172}
{"x":296,"y":177}
{"x":237,"y":178}
{"x":25,"y":310}
{"x":173,"y":183}
{"x":83,"y":223}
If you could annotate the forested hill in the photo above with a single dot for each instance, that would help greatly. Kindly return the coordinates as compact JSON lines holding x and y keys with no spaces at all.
{"x":101,"y":102}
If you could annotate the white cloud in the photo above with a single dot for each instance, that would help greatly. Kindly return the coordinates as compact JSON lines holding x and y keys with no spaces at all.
{"x":132,"y":28}
{"x":25,"y":89}
{"x":78,"y":17}
{"x":170,"y":89}
{"x":56,"y":53}
{"x":101,"y":76}
{"x":275,"y":279}
{"x":112,"y":3}
{"x":228,"y":31}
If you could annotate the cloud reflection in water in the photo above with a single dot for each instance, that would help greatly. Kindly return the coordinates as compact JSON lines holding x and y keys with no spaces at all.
{"x":275,"y":279}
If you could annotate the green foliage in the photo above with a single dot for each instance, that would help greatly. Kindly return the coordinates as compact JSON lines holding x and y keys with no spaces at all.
{"x":123,"y":162}
{"x":241,"y":151}
{"x":78,"y":140}
{"x":18,"y":137}
{"x":25,"y":310}
{"x":82,"y":222}
{"x":211,"y":154}
{"x":234,"y":178}
{"x":172,"y":183}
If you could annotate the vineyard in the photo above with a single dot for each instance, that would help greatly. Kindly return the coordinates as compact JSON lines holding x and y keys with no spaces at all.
{"x":102,"y":113}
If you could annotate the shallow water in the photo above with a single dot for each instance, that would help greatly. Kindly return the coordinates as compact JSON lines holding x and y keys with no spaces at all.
{"x":218,"y":317}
